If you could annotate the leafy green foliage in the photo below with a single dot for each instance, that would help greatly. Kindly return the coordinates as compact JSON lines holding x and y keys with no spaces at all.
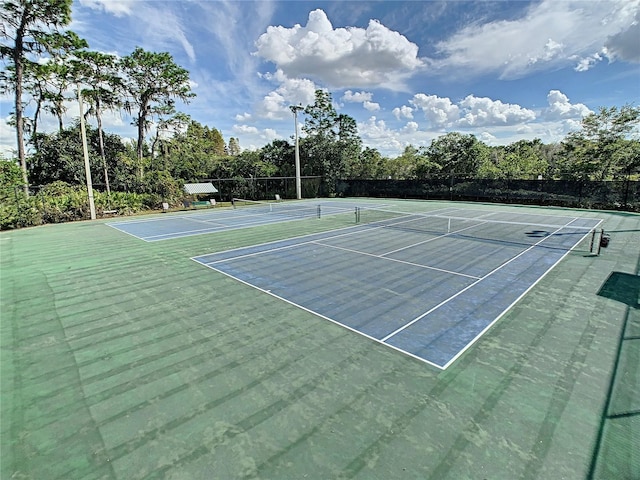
{"x":60,"y":157}
{"x":152,"y":81}
{"x":597,"y":150}
{"x":332,"y":143}
{"x":194,"y":153}
{"x":32,"y":28}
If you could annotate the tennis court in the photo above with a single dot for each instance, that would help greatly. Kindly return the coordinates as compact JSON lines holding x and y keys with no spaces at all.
{"x":425,"y":285}
{"x":245,"y":214}
{"x":124,"y":359}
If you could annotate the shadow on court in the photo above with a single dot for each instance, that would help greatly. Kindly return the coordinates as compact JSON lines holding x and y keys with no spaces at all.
{"x":622,"y":287}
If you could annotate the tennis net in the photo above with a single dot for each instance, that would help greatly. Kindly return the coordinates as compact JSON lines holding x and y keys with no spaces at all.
{"x":298,"y":210}
{"x":519,"y":233}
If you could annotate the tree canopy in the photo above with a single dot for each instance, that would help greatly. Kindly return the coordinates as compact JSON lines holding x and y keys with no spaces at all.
{"x":30,"y":28}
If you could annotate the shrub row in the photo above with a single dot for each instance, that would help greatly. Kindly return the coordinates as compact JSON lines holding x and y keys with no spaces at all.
{"x":60,"y":202}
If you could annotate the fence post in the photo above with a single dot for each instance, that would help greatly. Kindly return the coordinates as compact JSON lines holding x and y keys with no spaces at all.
{"x":627,"y":183}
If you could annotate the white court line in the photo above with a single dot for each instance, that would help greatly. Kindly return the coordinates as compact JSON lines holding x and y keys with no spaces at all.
{"x":189,"y":233}
{"x":353,"y":230}
{"x":260,"y":219}
{"x":356,"y":230}
{"x":518,"y":214}
{"x":125,"y":232}
{"x":395,"y":260}
{"x":420,"y":317}
{"x":479,"y":222}
{"x":191,"y":216}
{"x":269,"y":292}
{"x":484,"y":330}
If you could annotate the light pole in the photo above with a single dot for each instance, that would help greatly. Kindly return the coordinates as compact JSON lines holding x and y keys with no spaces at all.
{"x":85,"y":152}
{"x":295,"y":109}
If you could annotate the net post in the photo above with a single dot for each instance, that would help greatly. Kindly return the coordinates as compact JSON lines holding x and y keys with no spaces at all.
{"x":357,"y":214}
{"x":593,"y":238}
{"x":233,"y":202}
{"x":600,"y":241}
{"x":318,"y":211}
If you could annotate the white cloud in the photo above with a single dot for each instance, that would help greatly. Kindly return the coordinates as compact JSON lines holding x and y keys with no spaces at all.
{"x":234,"y":30}
{"x":253,"y":136}
{"x":439,"y":111}
{"x":361,"y":97}
{"x":561,"y":108}
{"x":357,"y":97}
{"x":119,"y":9}
{"x":244,"y":129}
{"x":8,"y":144}
{"x":292,"y":91}
{"x":404,"y":112}
{"x":585,"y":63}
{"x":391,"y":142}
{"x":159,"y":26}
{"x":552,"y":34}
{"x":270,"y":134}
{"x":487,"y":138}
{"x":243,"y":117}
{"x":341,"y":57}
{"x":410,"y":127}
{"x":371,"y":106}
{"x":482,"y":111}
{"x":374,"y":132}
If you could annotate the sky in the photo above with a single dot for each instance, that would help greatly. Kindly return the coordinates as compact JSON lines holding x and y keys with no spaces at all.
{"x":406,"y":71}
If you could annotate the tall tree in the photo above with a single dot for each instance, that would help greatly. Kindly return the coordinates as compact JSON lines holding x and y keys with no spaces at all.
{"x":61,"y":48}
{"x":60,"y":155}
{"x":524,"y":159}
{"x":457,"y":154}
{"x":321,"y":116}
{"x":281,"y":154}
{"x":234,"y":147}
{"x":332,"y":141}
{"x":371,"y":165}
{"x":410,"y":164}
{"x":27,"y":26}
{"x":195,"y":152}
{"x":99,"y":73}
{"x":592,"y":151}
{"x":152,"y":82}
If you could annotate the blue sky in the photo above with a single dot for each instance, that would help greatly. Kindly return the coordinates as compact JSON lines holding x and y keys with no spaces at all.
{"x":406,"y":71}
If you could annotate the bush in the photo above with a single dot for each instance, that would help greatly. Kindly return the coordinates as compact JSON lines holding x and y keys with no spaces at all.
{"x":60,"y":202}
{"x":126,"y":203}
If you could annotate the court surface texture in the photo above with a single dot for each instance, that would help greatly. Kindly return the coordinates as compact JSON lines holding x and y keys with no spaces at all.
{"x":122,"y":358}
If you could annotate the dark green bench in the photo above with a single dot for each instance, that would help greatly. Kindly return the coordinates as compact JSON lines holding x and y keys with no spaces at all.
{"x":201,"y":204}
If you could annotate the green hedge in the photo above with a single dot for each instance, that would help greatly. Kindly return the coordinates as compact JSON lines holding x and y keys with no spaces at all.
{"x":60,"y":202}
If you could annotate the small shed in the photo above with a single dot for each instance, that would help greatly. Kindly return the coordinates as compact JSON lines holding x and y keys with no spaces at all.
{"x":199,"y":188}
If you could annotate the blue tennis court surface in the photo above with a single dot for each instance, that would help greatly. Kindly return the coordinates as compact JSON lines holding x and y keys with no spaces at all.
{"x":171,"y":226}
{"x":426,"y":285}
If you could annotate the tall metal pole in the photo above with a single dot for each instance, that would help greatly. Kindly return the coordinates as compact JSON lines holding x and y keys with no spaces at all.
{"x":294,"y":109}
{"x":85,"y":151}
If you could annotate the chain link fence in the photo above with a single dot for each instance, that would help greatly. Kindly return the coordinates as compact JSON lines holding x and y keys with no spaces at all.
{"x":266,"y":188}
{"x":609,"y":195}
